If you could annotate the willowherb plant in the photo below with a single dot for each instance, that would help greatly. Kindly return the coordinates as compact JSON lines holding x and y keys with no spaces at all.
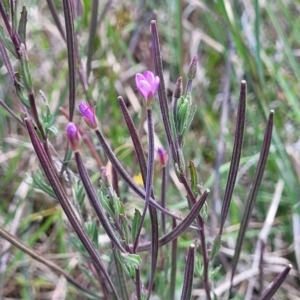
{"x":127,"y":240}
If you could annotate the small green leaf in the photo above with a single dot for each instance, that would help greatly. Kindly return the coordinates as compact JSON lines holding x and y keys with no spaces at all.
{"x":7,"y":6}
{"x":92,"y":231}
{"x":172,"y":120}
{"x":216,"y":246}
{"x":124,"y":227}
{"x":215,"y":273}
{"x":106,"y":203}
{"x":135,"y":224}
{"x":22,"y":25}
{"x":25,"y":68}
{"x":22,"y":94}
{"x":203,"y":212}
{"x":7,"y":42}
{"x":181,"y":161}
{"x":118,"y":206}
{"x":40,"y":183}
{"x":199,"y":268}
{"x":131,"y":260}
{"x":79,"y":192}
{"x":194,"y":178}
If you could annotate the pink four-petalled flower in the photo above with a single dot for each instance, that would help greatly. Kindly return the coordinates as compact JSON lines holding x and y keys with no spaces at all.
{"x":147,"y":84}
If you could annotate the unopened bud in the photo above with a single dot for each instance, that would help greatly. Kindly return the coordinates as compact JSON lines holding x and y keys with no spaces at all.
{"x":73,"y":136}
{"x":178,"y":88}
{"x":192,"y":68}
{"x":88,"y":114}
{"x":162,"y":156}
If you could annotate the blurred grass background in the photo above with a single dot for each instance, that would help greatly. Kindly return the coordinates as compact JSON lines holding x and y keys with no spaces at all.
{"x":258,"y":41}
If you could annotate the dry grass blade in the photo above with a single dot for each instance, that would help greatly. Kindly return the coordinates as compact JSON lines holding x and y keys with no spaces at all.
{"x":20,"y":245}
{"x":264,"y":235}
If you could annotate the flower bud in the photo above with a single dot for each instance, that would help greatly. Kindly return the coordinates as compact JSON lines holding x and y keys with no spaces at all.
{"x":177,"y":92}
{"x":162,"y":156}
{"x":192,"y":68}
{"x":88,"y":114}
{"x":73,"y":136}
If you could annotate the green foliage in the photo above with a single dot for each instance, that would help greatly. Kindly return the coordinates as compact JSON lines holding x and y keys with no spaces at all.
{"x":264,"y":38}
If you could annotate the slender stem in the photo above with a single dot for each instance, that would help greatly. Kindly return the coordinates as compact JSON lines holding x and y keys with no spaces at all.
{"x":64,"y":201}
{"x":92,"y":195}
{"x":173,"y":264}
{"x":12,"y":113}
{"x":7,"y":62}
{"x":15,"y":38}
{"x":149,"y":177}
{"x":188,"y":87}
{"x":138,"y":287}
{"x":126,"y":177}
{"x":163,"y":198}
{"x":115,"y":182}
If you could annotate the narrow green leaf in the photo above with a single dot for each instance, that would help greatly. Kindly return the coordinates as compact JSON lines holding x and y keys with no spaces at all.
{"x":22,"y":25}
{"x":124,"y":227}
{"x":135,"y":224}
{"x":7,"y":42}
{"x":194,"y":178}
{"x":106,"y":203}
{"x":26,"y":76}
{"x":216,"y":247}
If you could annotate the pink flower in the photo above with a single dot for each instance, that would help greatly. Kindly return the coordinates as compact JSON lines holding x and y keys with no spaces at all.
{"x":88,"y":114}
{"x":73,"y":136}
{"x":162,"y":156}
{"x":147,"y":84}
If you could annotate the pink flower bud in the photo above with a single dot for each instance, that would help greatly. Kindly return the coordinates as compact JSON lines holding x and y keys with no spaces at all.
{"x":88,"y":114}
{"x":147,"y":85}
{"x":192,"y":68}
{"x":73,"y":136}
{"x":162,"y":156}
